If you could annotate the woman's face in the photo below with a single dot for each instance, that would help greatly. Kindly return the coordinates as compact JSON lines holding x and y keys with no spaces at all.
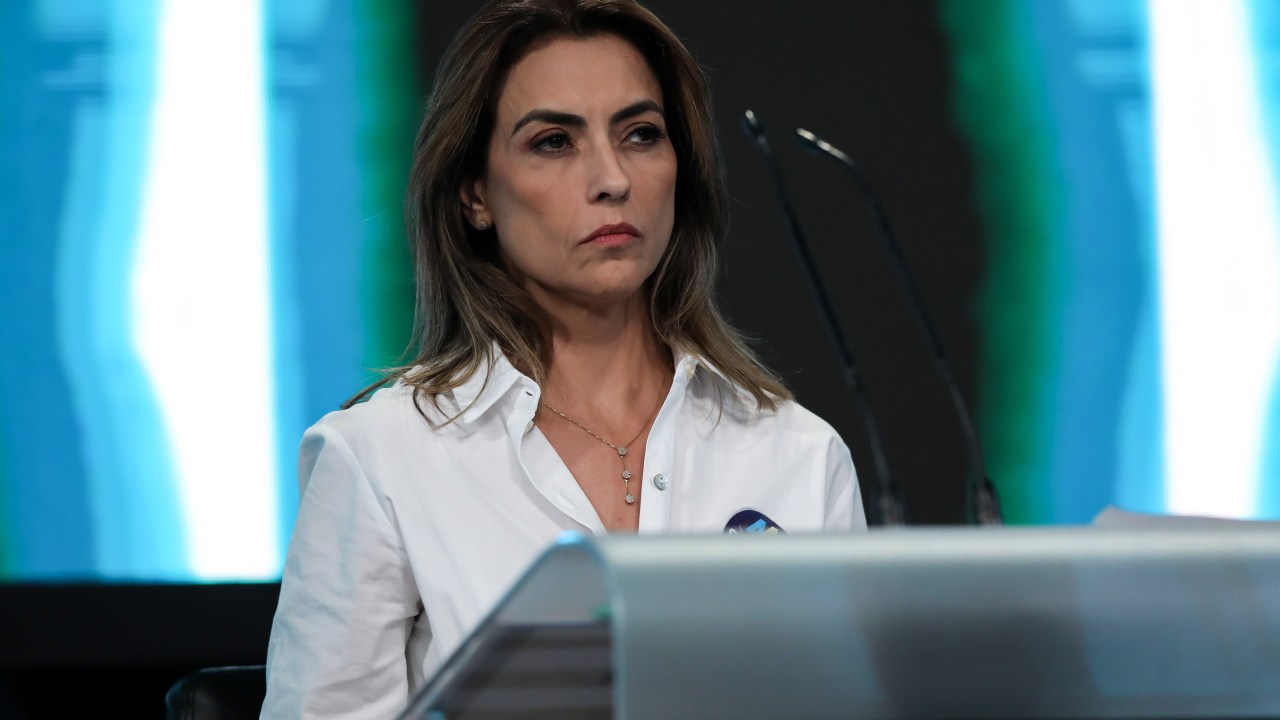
{"x":581,"y":179}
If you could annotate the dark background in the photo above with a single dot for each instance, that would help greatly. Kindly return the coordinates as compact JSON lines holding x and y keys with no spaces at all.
{"x":870,"y":77}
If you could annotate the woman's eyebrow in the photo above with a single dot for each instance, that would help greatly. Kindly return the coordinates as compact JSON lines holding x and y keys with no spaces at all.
{"x":557,"y":117}
{"x":634,"y":109}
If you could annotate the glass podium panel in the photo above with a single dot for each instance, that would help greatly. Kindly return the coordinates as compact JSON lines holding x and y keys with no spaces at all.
{"x":938,"y":623}
{"x":535,"y":671}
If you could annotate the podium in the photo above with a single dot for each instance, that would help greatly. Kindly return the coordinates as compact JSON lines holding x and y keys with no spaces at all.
{"x":921,"y":623}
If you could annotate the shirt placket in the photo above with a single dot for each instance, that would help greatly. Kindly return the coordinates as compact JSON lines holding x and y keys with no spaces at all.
{"x":541,"y":465}
{"x":660,"y":474}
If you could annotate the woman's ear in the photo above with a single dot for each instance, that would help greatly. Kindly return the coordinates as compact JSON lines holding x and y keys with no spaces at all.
{"x":474,"y":208}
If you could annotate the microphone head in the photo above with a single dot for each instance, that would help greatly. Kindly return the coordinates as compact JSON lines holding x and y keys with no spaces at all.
{"x":754,"y":128}
{"x":816,"y":144}
{"x":810,"y":141}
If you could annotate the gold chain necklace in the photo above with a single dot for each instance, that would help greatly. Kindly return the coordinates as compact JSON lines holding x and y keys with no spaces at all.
{"x":620,"y":449}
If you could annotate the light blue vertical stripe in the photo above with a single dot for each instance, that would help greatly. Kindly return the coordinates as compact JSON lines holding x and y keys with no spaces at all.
{"x":1265,"y":21}
{"x":292,"y":376}
{"x":317,"y":231}
{"x":1139,"y":483}
{"x":1092,"y":55}
{"x":46,"y":522}
{"x":137,"y":525}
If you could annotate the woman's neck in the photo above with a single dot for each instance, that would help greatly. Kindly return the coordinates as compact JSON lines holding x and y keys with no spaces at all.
{"x":603,"y":360}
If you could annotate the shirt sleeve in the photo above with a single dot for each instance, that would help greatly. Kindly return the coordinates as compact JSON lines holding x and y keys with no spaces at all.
{"x":844,"y":497}
{"x":347,"y":598}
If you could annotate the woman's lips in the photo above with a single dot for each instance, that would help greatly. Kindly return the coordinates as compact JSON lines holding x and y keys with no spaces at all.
{"x":612,"y":235}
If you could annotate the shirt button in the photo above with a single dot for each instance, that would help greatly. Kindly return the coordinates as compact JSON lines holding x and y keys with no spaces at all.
{"x":660,"y":481}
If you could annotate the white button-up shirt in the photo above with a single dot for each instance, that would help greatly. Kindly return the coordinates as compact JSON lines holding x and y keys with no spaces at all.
{"x":406,"y":535}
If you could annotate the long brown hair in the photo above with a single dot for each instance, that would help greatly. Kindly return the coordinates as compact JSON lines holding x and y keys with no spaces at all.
{"x":466,"y":300}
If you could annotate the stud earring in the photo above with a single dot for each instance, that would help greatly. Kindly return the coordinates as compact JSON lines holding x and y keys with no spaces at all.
{"x":482,"y":225}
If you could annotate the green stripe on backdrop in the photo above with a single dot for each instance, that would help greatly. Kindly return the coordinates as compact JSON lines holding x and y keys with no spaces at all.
{"x":389,"y":91}
{"x":1000,"y":107}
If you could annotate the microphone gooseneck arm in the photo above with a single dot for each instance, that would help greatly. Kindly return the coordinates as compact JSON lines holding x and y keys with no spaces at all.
{"x":886,"y":506}
{"x":982,"y":501}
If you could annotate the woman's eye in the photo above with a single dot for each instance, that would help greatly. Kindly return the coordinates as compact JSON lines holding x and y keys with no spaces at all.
{"x":645,"y":135}
{"x":555,"y":142}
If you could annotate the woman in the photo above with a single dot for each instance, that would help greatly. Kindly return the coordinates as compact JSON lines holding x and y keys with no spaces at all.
{"x":565,"y":205}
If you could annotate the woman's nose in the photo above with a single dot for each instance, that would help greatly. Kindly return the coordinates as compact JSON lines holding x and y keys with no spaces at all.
{"x":609,"y":181}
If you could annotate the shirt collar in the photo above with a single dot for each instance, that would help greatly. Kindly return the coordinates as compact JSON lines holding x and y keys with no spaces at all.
{"x":496,"y":377}
{"x":686,"y":366}
{"x":690,"y":367}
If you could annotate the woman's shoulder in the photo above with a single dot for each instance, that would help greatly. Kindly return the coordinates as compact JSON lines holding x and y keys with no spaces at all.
{"x":726,"y":402}
{"x":388,"y":414}
{"x":380,"y":441}
{"x":405,"y":411}
{"x":800,"y":425}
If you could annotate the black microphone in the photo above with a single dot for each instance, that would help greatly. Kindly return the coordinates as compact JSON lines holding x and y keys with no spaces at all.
{"x":982,"y":502}
{"x":886,"y":506}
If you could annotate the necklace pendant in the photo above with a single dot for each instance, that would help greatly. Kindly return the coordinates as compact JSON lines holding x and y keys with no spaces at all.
{"x":626,"y":474}
{"x":622,"y":452}
{"x":631,"y":499}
